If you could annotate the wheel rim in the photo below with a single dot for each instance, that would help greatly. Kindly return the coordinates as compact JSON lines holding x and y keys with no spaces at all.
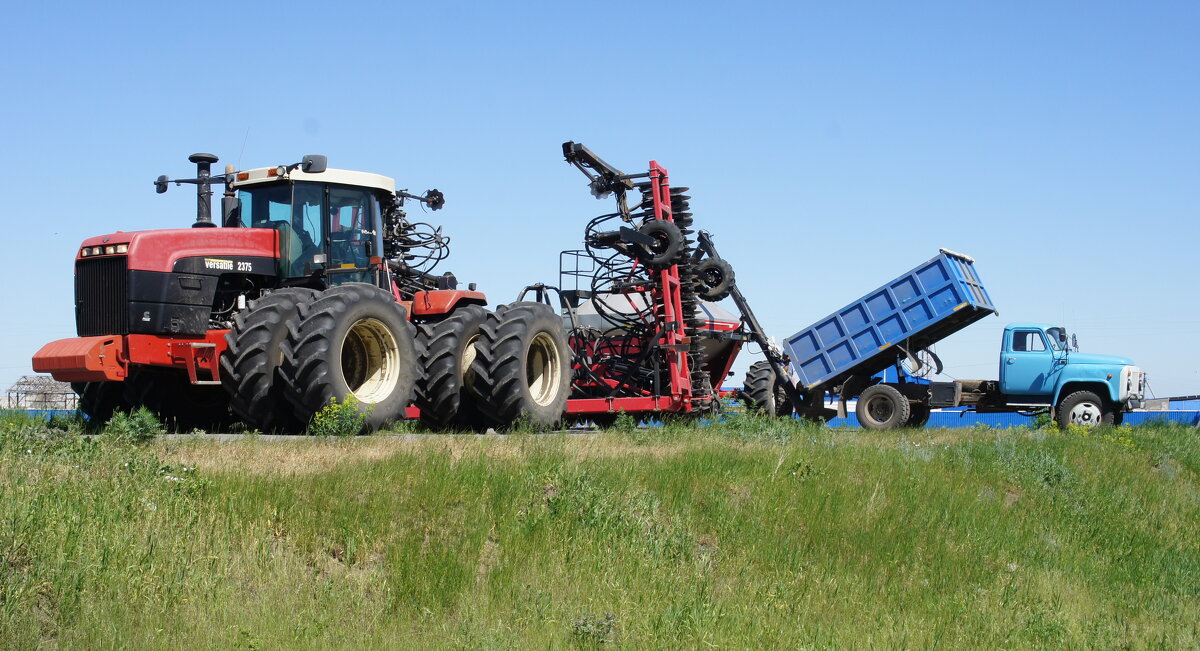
{"x":468,"y":360}
{"x":370,"y":361}
{"x":880,"y":409}
{"x":1086,"y":413}
{"x":543,"y":369}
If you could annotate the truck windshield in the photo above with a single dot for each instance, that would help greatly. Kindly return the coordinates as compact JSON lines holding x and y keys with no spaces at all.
{"x":1057,"y":337}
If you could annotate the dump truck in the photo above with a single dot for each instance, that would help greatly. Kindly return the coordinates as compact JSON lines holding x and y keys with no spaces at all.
{"x":897,"y":323}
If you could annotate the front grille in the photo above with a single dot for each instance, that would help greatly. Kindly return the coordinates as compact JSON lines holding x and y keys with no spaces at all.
{"x":102,"y":296}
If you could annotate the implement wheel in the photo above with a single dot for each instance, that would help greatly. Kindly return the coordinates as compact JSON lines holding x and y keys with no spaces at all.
{"x":523,"y":367}
{"x":764,"y":391}
{"x":882,"y":407}
{"x":447,"y":353}
{"x":352,"y":340}
{"x":250,"y":365}
{"x":714,"y":279}
{"x":666,"y":248}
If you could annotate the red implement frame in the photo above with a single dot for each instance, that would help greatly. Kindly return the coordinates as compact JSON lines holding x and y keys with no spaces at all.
{"x":671,"y":330}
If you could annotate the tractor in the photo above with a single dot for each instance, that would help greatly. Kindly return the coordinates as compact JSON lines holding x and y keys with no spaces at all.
{"x":315,"y":287}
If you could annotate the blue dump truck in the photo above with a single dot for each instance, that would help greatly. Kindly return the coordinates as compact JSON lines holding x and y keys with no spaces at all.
{"x":894,"y":325}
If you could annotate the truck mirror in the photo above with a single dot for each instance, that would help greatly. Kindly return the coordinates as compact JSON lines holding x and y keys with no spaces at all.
{"x":314,"y":163}
{"x":160,"y":184}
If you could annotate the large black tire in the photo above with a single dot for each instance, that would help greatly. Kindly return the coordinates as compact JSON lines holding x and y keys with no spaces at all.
{"x":250,"y":365}
{"x":351,"y":340}
{"x":714,"y":279}
{"x":764,"y":391}
{"x":669,"y":242}
{"x":918,"y":416}
{"x":882,"y":407}
{"x":523,"y":367}
{"x":98,"y":401}
{"x":447,"y":351}
{"x":1084,"y":408}
{"x":179,"y":404}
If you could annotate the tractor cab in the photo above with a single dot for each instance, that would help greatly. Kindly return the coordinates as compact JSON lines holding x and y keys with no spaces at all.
{"x":328,"y":224}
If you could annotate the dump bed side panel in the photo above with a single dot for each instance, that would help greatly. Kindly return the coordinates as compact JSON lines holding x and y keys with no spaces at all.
{"x":927,"y":304}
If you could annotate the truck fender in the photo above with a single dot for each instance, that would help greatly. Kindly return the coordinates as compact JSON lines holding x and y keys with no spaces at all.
{"x":1100,"y":386}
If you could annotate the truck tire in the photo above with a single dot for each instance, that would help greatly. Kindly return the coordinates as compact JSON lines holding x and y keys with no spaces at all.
{"x":918,"y":416}
{"x":250,"y":364}
{"x":351,"y":340}
{"x":763,"y":391}
{"x":179,"y":404}
{"x":98,"y":401}
{"x":665,"y":251}
{"x":882,"y":407}
{"x":447,"y":351}
{"x":714,"y":279}
{"x":523,"y":367}
{"x":1083,"y":408}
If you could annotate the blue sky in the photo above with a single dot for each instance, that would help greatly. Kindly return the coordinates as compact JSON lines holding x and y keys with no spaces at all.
{"x":829,"y":147}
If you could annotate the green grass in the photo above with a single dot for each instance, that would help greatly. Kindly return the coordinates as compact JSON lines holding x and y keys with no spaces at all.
{"x":752,"y":533}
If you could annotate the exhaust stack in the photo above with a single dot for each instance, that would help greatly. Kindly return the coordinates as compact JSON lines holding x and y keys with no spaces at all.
{"x":203,"y":189}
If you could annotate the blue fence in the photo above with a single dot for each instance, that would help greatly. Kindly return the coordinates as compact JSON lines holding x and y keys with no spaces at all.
{"x":1002,"y":421}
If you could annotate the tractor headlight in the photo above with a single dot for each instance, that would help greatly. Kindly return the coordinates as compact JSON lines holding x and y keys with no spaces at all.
{"x":109,"y":250}
{"x":122,"y":248}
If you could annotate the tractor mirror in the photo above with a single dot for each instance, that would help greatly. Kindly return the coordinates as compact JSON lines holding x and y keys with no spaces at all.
{"x":314,"y":163}
{"x":230,"y":212}
{"x":160,"y":185}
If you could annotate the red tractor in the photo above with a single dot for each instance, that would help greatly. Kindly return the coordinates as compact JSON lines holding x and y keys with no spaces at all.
{"x":307,"y":292}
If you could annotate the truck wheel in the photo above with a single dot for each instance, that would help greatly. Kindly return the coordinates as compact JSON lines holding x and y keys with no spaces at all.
{"x":714,"y":279}
{"x":447,"y":352}
{"x":98,"y":401}
{"x":250,"y":365}
{"x":351,"y":340}
{"x":179,"y":404}
{"x":764,"y":391}
{"x":882,"y":407}
{"x":918,"y":416}
{"x":1083,"y":408}
{"x":665,"y":250}
{"x":523,"y":367}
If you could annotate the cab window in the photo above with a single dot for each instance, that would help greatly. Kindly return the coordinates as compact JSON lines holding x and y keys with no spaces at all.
{"x":1028,"y":341}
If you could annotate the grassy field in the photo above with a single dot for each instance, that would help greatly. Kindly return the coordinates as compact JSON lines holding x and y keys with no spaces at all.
{"x":750,"y":533}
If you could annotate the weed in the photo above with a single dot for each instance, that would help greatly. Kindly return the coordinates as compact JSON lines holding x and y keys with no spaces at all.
{"x":589,"y":631}
{"x":138,"y":426}
{"x":346,"y":418}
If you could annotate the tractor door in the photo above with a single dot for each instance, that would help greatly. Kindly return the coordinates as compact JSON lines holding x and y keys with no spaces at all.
{"x":353,"y":236}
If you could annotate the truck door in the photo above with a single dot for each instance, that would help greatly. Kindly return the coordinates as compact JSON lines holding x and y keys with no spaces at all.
{"x":1026,"y":364}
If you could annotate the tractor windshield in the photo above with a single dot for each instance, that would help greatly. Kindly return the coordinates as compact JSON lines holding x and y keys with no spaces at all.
{"x":293,"y":209}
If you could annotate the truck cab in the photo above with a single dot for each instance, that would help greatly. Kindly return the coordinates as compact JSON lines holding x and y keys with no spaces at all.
{"x":1038,"y":368}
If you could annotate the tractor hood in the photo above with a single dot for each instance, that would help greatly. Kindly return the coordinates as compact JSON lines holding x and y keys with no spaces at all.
{"x":1090,"y":358}
{"x":159,"y":250}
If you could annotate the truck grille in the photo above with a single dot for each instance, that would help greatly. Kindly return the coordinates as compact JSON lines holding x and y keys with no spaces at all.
{"x":102,"y":296}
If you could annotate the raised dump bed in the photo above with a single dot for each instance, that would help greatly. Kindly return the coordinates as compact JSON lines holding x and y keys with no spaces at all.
{"x":921,"y":307}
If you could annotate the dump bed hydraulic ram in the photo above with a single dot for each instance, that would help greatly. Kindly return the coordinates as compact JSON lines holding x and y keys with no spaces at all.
{"x":704,"y":245}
